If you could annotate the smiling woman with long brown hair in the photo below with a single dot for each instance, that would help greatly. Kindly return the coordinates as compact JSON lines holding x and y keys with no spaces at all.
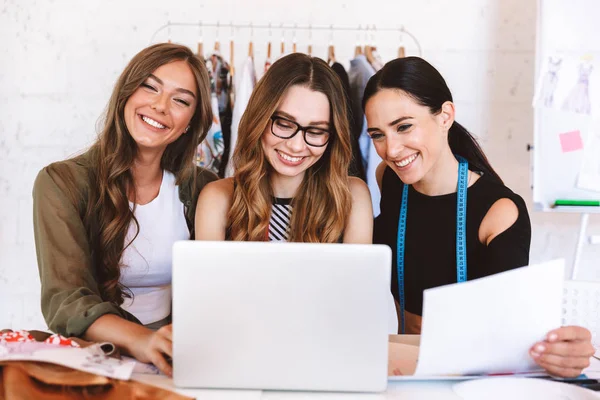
{"x":105,"y":220}
{"x":291,"y":165}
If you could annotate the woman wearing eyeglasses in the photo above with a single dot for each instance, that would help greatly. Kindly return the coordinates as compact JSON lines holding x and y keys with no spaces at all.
{"x":291,"y":165}
{"x":291,"y":162}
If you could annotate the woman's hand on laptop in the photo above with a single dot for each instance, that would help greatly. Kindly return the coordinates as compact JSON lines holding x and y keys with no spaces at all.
{"x":153,"y":348}
{"x":565,"y":352}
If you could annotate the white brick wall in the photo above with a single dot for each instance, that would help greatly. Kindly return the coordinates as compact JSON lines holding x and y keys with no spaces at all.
{"x":59,"y":60}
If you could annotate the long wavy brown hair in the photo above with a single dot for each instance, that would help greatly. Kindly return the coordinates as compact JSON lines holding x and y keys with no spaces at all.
{"x":322,"y":203}
{"x":108,"y":214}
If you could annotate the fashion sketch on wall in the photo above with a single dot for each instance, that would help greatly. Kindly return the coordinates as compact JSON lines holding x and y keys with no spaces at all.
{"x":550,"y":81}
{"x":578,"y":99}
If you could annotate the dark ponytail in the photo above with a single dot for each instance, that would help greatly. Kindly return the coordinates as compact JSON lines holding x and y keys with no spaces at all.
{"x":421,"y":81}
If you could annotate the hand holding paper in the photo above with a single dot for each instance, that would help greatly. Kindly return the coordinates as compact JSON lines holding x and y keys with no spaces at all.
{"x":487,"y":326}
{"x":565,"y":352}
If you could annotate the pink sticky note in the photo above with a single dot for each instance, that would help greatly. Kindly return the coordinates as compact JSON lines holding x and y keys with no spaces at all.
{"x":570,"y":141}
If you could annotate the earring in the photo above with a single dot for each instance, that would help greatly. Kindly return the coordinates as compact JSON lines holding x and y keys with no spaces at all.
{"x":186,"y":129}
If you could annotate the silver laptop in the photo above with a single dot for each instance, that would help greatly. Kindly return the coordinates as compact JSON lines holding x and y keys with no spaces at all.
{"x":281,"y":316}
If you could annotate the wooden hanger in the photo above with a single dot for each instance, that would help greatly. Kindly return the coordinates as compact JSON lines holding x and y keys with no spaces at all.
{"x":217,"y":48}
{"x":309,"y":52}
{"x":369,"y":48}
{"x":369,"y":53}
{"x":251,"y":44}
{"x":401,"y":48}
{"x":282,"y":48}
{"x":200,"y":50}
{"x":231,"y":51}
{"x":357,"y":50}
{"x":268,"y":59}
{"x":294,"y":49}
{"x":331,"y":55}
{"x":401,"y":52}
{"x":231,"y":62}
{"x":331,"y":49}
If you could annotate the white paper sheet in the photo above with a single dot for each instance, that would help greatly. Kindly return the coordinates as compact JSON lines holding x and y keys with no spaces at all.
{"x":90,"y":359}
{"x":487,"y":326}
{"x":142,"y":368}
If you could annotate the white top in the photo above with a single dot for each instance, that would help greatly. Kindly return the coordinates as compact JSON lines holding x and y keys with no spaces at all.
{"x":146,"y":263}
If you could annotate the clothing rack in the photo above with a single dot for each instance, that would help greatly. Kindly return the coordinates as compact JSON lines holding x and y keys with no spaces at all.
{"x":367,"y":29}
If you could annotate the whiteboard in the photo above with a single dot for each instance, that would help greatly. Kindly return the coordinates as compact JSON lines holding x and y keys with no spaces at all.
{"x":566,"y":149}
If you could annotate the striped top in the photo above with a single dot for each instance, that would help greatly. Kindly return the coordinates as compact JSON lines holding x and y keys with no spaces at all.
{"x":279,"y":224}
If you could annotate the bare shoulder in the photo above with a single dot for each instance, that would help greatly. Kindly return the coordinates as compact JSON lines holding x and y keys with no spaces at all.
{"x":360,"y":222}
{"x":358,"y":187}
{"x":220,"y":189}
{"x":359,"y":191}
{"x":501,"y":216}
{"x":217,"y":194}
{"x":213,"y":206}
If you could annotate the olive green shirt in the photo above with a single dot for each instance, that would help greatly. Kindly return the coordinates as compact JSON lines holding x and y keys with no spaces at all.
{"x":71,"y":299}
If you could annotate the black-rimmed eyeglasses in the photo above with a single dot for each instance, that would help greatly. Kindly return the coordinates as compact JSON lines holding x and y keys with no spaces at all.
{"x":285,"y":129}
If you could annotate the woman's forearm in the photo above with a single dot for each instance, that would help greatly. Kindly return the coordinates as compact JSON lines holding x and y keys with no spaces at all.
{"x":122,"y":333}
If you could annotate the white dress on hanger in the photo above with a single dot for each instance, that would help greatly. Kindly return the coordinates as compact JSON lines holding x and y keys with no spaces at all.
{"x":244,"y":87}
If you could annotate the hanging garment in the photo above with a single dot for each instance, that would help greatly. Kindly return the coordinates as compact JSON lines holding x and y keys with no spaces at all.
{"x":356,"y":166}
{"x":376,"y":62}
{"x":245,"y":85}
{"x":222,"y":87}
{"x":268,"y":59}
{"x":210,"y":151}
{"x":359,"y":74}
{"x":220,"y":79}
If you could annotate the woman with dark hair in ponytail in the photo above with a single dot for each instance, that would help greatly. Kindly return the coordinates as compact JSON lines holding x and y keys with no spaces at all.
{"x":431,"y":166}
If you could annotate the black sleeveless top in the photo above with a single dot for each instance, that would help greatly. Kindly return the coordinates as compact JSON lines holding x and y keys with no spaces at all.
{"x":430,"y":244}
